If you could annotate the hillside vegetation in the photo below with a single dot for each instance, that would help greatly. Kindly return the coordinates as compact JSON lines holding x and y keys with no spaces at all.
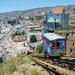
{"x":20,"y":65}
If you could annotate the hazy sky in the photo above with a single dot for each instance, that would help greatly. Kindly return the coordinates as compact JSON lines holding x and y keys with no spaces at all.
{"x":12,"y":5}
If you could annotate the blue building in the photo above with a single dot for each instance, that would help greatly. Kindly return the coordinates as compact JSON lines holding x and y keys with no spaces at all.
{"x":18,"y":28}
{"x":56,"y":18}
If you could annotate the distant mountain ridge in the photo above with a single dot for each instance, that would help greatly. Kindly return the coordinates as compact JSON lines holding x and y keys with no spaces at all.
{"x":31,"y":12}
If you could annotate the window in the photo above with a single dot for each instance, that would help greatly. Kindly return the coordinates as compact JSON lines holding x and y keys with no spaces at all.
{"x":57,"y":44}
{"x":53,"y":45}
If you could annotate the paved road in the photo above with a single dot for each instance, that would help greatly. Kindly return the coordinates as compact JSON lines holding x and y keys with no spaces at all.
{"x":8,"y":34}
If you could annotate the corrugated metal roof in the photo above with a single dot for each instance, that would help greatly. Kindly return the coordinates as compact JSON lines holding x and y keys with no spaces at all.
{"x":52,"y":36}
{"x":58,"y":10}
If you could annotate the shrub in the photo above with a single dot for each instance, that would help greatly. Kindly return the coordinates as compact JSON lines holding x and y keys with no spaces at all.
{"x":28,"y":60}
{"x":3,"y":57}
{"x":20,"y":58}
{"x":21,"y":61}
{"x":35,"y":72}
{"x":17,"y":33}
{"x":21,"y":55}
{"x":24,"y":70}
{"x":39,"y":48}
{"x":11,"y":60}
{"x":1,"y":69}
{"x":33,"y":39}
{"x":12,"y":68}
{"x":23,"y":33}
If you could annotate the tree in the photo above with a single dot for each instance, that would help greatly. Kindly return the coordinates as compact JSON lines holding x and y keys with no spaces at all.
{"x":33,"y":39}
{"x":23,"y":33}
{"x":39,"y":48}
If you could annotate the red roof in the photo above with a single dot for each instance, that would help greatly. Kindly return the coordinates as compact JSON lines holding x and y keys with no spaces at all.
{"x":58,"y":9}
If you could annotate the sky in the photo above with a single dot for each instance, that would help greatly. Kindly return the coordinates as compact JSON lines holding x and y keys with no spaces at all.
{"x":13,"y":5}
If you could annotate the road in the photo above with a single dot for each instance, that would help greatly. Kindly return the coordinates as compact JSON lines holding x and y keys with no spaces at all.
{"x":8,"y":34}
{"x":5,"y":39}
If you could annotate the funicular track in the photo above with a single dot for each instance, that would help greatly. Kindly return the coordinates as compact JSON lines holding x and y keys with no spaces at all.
{"x":56,"y":66}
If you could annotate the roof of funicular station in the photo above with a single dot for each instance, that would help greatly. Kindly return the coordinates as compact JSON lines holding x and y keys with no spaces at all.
{"x":52,"y":36}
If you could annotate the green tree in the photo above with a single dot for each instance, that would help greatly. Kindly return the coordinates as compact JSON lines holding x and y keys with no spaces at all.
{"x":23,"y":33}
{"x":33,"y":39}
{"x":39,"y":48}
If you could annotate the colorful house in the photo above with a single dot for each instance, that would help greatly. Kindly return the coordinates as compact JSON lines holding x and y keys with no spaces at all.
{"x":57,"y":18}
{"x":18,"y":27}
{"x":54,"y":45}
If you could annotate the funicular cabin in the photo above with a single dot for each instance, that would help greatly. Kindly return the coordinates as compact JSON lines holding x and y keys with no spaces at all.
{"x":54,"y":44}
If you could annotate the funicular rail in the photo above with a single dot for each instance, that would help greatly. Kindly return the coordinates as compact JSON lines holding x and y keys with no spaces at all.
{"x":55,"y":65}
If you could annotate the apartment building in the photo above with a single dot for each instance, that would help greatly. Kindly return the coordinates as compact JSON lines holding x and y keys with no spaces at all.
{"x":56,"y":18}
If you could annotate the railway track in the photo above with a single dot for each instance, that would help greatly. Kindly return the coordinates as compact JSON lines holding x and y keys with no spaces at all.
{"x":56,"y":66}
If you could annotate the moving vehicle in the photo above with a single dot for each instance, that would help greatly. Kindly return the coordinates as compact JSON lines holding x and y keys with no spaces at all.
{"x":54,"y":44}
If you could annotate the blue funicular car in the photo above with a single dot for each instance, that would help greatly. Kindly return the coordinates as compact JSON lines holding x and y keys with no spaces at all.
{"x":54,"y":44}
